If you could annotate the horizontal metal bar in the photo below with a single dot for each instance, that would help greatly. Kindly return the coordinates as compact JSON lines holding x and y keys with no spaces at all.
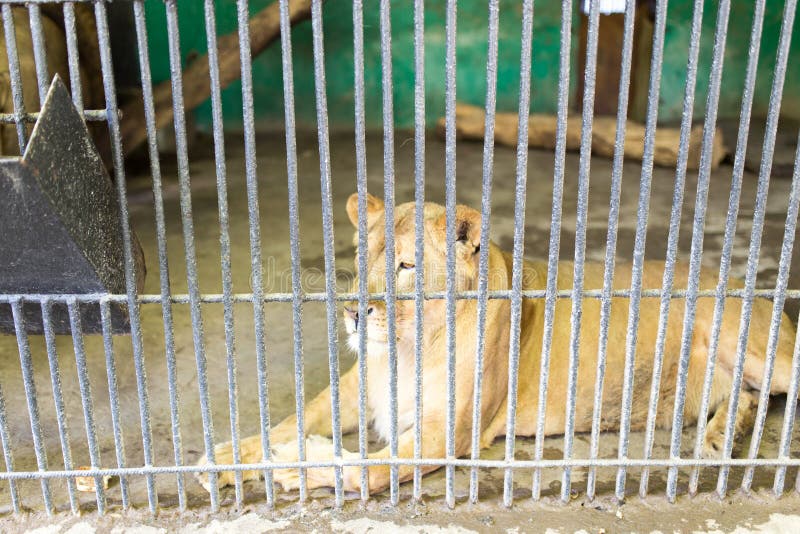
{"x":217,"y":298}
{"x":16,"y":2}
{"x":90,"y":115}
{"x":357,"y":462}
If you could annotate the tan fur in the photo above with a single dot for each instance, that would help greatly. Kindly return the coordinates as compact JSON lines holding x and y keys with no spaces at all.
{"x":495,"y":384}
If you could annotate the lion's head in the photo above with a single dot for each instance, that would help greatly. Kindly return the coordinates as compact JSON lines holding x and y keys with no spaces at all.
{"x":405,"y":271}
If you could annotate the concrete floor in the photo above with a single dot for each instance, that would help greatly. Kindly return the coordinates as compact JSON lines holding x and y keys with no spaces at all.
{"x":274,"y":225}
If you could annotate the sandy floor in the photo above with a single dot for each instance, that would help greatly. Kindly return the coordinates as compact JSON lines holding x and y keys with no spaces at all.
{"x":274,"y":224}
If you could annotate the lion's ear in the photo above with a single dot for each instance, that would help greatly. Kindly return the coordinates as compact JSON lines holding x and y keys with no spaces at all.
{"x":374,"y":209}
{"x":468,"y":227}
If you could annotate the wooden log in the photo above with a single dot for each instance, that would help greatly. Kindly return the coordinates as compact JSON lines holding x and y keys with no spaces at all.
{"x":542,"y":134}
{"x":264,"y":30}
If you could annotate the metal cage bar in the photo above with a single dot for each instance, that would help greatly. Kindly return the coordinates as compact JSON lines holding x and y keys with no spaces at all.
{"x":703,"y":184}
{"x":294,"y":238}
{"x":10,"y":35}
{"x":759,"y":213}
{"x":642,"y":213}
{"x":672,"y":238}
{"x":113,"y":396}
{"x":590,"y":70}
{"x":327,"y":228}
{"x":224,"y":239}
{"x":161,"y":243}
{"x":555,"y":238}
{"x":58,"y":401}
{"x":32,"y":400}
{"x":86,"y":400}
{"x":500,"y":294}
{"x":39,"y":51}
{"x":103,"y":39}
{"x":389,"y":205}
{"x":450,"y":244}
{"x":184,"y":185}
{"x":730,"y":229}
{"x":611,"y":241}
{"x":775,"y":324}
{"x":363,"y":248}
{"x":419,"y":230}
{"x":254,"y":223}
{"x":483,"y":260}
{"x":8,"y":455}
{"x":789,"y":411}
{"x":519,"y":242}
{"x":72,"y":56}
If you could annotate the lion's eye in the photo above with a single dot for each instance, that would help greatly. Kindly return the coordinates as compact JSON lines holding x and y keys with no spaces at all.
{"x":406,"y":266}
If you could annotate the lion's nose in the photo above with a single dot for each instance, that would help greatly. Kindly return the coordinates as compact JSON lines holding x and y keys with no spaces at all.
{"x":353,"y":313}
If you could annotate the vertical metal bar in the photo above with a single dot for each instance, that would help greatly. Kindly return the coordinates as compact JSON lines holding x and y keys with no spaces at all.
{"x":58,"y":401}
{"x":555,"y":236}
{"x":701,"y":202}
{"x":450,"y":239}
{"x":784,"y":449}
{"x":611,"y":241}
{"x":730,"y":231}
{"x":759,"y":214}
{"x":107,"y":68}
{"x":224,"y":240}
{"x":8,"y":455}
{"x":327,"y":229}
{"x":39,"y":51}
{"x":161,"y":239}
{"x":797,"y":483}
{"x":294,"y":240}
{"x":519,"y":243}
{"x":483,"y":260}
{"x":113,"y":397}
{"x":14,"y":73}
{"x":361,"y":186}
{"x":642,"y":213}
{"x":419,"y":230}
{"x":173,"y":37}
{"x":253,"y":217}
{"x":774,"y":327}
{"x":672,"y":239}
{"x":580,"y":240}
{"x":86,"y":400}
{"x":73,"y":58}
{"x":30,"y":395}
{"x":388,"y":193}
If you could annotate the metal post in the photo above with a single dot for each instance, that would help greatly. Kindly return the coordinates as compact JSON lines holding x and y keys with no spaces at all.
{"x":103,"y":39}
{"x":483,"y":260}
{"x":161,"y":241}
{"x":327,"y":228}
{"x":294,"y":239}
{"x":173,"y":37}
{"x":224,"y":240}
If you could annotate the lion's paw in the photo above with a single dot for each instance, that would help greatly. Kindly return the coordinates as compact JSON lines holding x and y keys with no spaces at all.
{"x":713,"y":445}
{"x":223,"y":455}
{"x":318,"y":449}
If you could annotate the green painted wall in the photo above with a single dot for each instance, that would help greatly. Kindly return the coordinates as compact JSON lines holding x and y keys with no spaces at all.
{"x":471,"y":59}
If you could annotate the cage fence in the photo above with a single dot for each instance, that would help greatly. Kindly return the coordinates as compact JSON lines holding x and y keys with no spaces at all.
{"x":134,"y":407}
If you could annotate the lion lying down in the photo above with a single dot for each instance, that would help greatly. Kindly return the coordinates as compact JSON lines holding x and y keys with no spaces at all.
{"x":495,"y":385}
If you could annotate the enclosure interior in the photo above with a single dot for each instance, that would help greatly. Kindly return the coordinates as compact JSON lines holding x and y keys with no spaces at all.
{"x":270,"y":166}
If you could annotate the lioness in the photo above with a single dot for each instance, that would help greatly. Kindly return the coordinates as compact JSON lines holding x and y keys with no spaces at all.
{"x":495,"y":381}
